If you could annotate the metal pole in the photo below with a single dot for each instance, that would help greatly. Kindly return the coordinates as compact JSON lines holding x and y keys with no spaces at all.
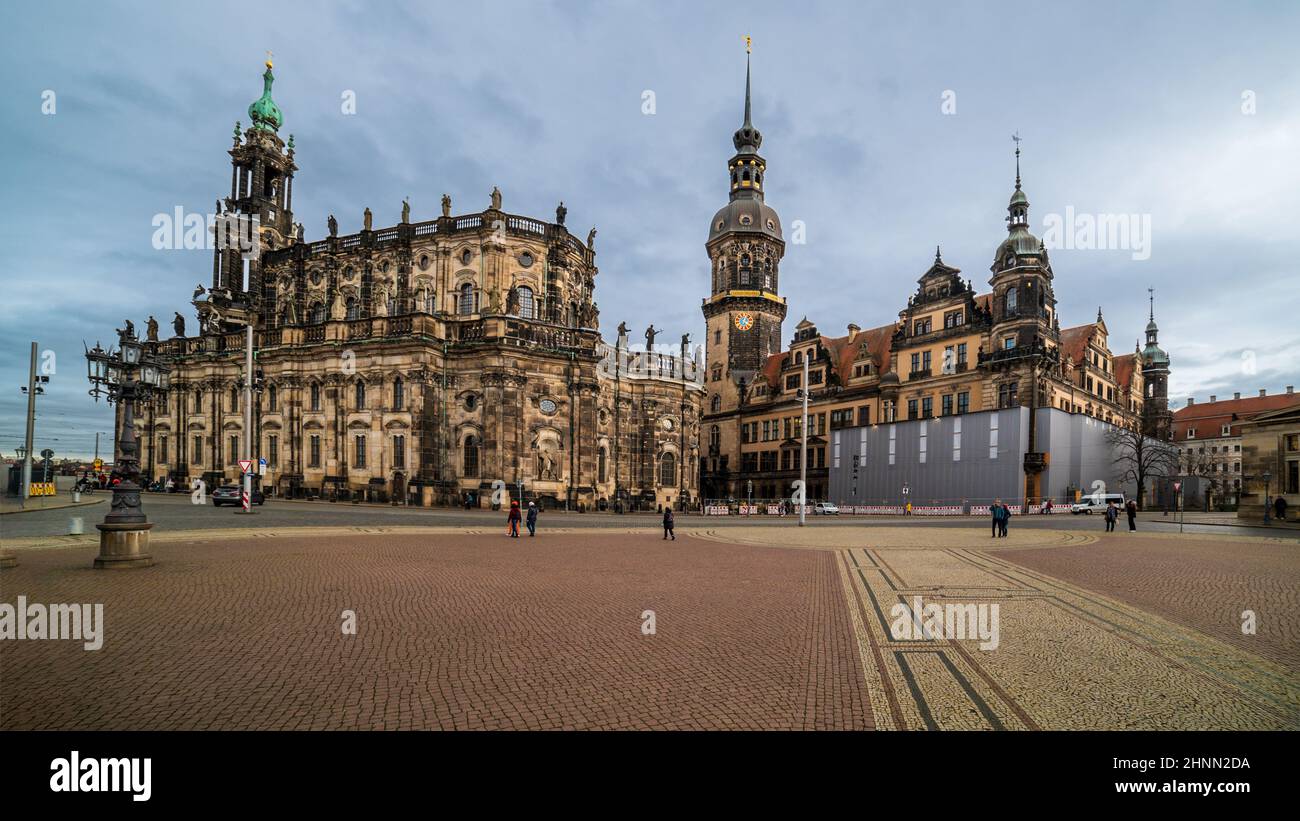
{"x":31,"y":427}
{"x":803,"y":449}
{"x":248,"y":416}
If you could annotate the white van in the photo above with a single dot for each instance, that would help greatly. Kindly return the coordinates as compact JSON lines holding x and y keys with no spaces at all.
{"x":1097,"y":502}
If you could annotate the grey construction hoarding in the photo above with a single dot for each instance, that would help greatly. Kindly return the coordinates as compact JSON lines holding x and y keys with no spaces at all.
{"x":973,"y":457}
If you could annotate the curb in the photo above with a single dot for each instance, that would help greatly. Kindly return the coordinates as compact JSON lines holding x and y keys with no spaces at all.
{"x":51,"y":507}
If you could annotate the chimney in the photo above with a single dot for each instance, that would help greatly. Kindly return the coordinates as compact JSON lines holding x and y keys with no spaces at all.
{"x":1290,"y":388}
{"x":1263,"y":392}
{"x":1237,"y":395}
{"x":853,"y":329}
{"x":1191,"y":400}
{"x":1213,"y":397}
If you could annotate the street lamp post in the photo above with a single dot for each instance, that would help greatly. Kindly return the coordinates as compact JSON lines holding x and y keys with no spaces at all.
{"x":125,"y":376}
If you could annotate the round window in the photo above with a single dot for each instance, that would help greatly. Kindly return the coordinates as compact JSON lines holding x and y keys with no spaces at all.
{"x":668,"y":423}
{"x":526,"y":259}
{"x":466,"y":256}
{"x":746,"y":219}
{"x":547,"y":406}
{"x":471,"y":402}
{"x":424,"y":262}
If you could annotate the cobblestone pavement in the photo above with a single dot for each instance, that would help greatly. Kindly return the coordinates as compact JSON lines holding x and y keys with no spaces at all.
{"x":1199,"y":583}
{"x":470,"y":629}
{"x":454,"y":631}
{"x":1096,"y":632}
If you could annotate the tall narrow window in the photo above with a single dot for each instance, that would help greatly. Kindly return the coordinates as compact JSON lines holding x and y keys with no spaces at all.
{"x":465,"y":305}
{"x":399,"y":394}
{"x":399,"y":452}
{"x":359,"y":456}
{"x":315,"y":396}
{"x":273,"y":451}
{"x":525,"y":302}
{"x":313,"y":452}
{"x":272,"y":398}
{"x":352,"y":309}
{"x":668,"y":470}
{"x":470,"y":461}
{"x":361,"y":395}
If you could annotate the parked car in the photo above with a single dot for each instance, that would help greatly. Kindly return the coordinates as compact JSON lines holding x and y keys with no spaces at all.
{"x":232,"y":495}
{"x":825,"y":509}
{"x":1097,"y":502}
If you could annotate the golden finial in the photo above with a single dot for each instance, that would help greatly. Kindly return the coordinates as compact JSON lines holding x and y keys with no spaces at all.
{"x":268,"y":58}
{"x":749,"y":42}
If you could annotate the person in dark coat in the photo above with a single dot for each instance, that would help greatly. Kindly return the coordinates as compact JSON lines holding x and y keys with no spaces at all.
{"x":532,"y":519}
{"x":1004,"y":521}
{"x":1112,"y":513}
{"x":995,"y":510}
{"x":1131,"y":508}
{"x":668,"y":524}
{"x":512,"y":521}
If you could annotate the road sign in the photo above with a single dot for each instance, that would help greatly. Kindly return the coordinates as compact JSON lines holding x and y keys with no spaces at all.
{"x":245,"y":465}
{"x":1178,"y":486}
{"x":99,"y":463}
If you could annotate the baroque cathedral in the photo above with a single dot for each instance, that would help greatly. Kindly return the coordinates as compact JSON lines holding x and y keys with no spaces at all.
{"x":454,"y":360}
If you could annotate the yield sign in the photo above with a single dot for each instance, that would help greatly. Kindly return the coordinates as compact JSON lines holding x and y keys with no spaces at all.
{"x":1178,"y":486}
{"x":245,"y":465}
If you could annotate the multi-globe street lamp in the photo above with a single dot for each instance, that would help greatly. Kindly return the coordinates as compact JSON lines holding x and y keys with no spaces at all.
{"x":127,"y":375}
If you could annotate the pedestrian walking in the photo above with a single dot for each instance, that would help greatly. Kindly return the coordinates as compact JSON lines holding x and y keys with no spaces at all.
{"x":1111,"y":514}
{"x":996,"y":511}
{"x":532,"y":519}
{"x":909,"y":508}
{"x":512,"y":521}
{"x":1131,"y":508}
{"x":668,"y":524}
{"x":1004,"y":521}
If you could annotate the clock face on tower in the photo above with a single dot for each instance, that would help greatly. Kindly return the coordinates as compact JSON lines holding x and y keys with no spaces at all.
{"x":744,"y":321}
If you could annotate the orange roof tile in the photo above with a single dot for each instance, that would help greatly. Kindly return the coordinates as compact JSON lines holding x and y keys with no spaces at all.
{"x":1208,"y":418}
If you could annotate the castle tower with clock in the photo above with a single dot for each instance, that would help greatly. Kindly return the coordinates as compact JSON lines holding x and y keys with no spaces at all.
{"x":743,"y":312}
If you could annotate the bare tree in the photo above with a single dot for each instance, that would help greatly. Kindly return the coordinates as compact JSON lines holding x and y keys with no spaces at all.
{"x":1212,"y":466}
{"x":1141,"y":459}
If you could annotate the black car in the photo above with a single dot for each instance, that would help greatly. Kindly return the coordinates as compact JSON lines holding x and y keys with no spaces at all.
{"x":233,"y":495}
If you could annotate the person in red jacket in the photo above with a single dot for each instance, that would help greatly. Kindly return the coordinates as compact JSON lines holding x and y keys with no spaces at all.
{"x":513,"y":520}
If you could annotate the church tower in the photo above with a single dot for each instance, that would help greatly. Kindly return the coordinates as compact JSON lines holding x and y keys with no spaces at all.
{"x":1157,"y":420}
{"x":743,"y":313}
{"x":261,"y":195}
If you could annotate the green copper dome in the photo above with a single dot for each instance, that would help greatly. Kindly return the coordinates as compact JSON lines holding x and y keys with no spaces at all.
{"x":264,"y":112}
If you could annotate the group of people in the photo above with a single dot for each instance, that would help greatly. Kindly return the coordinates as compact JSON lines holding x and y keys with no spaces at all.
{"x":516,"y":515}
{"x":529,"y":519}
{"x":1001,"y":517}
{"x":1112,"y":514}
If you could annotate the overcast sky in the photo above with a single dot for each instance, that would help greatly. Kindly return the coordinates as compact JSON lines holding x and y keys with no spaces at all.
{"x":1124,"y":108}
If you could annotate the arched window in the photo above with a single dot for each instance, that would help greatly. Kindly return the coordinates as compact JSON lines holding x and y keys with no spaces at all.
{"x":470,"y":463}
{"x":315,"y":396}
{"x":272,"y":398}
{"x":1011,"y":301}
{"x":361,"y":395}
{"x":601,"y":466}
{"x":399,"y":394}
{"x":715,"y":404}
{"x":316,"y":313}
{"x":234,"y":399}
{"x":525,"y":302}
{"x":353,"y":311}
{"x":745,"y":268}
{"x":198,"y":401}
{"x":668,"y":470}
{"x":715,"y":437}
{"x":465,"y":305}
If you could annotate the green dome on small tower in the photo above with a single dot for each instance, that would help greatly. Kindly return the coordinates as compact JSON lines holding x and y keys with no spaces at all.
{"x":264,"y":112}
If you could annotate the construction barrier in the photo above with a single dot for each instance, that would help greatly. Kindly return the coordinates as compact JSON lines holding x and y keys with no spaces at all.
{"x":937,"y":510}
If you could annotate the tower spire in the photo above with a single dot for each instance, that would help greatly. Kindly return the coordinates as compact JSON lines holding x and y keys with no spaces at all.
{"x":1151,"y":297}
{"x":1016,"y":138}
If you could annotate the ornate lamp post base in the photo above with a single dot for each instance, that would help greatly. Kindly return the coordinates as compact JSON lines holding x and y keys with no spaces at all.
{"x":123,"y":545}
